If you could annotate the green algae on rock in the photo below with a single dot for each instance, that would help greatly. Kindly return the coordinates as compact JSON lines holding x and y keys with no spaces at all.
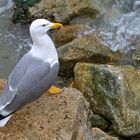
{"x":113,"y":92}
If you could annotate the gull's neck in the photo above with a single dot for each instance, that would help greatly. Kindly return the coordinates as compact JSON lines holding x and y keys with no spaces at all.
{"x":43,"y":48}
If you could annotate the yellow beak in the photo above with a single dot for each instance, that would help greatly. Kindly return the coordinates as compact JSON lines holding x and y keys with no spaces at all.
{"x":56,"y":26}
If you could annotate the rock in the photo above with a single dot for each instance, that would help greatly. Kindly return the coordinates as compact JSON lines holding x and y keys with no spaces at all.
{"x":136,"y":52}
{"x":136,"y":138}
{"x":21,"y":10}
{"x":2,"y":85}
{"x":62,"y":11}
{"x":85,"y":49}
{"x":73,"y":11}
{"x":113,"y":92}
{"x":100,"y":135}
{"x":69,"y":32}
{"x":59,"y":117}
{"x":98,"y":121}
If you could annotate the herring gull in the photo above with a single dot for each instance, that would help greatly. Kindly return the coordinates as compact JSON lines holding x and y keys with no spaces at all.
{"x":34,"y":73}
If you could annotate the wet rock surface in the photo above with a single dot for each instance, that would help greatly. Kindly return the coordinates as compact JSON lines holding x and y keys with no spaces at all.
{"x":99,"y":121}
{"x":21,"y":10}
{"x":114,"y":93}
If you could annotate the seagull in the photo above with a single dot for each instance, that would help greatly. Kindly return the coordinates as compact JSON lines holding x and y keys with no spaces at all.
{"x":33,"y":74}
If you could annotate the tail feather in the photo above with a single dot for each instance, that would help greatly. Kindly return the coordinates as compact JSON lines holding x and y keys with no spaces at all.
{"x":4,"y":121}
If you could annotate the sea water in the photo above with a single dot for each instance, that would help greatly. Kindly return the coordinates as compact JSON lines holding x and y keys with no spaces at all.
{"x":14,"y":39}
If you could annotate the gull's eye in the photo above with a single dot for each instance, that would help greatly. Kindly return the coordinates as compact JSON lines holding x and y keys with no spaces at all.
{"x":43,"y":25}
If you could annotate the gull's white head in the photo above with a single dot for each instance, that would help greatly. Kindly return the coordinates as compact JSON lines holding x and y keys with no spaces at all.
{"x":39,"y":27}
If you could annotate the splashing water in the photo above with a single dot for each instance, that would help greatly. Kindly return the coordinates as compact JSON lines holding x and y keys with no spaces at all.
{"x":5,"y":5}
{"x":123,"y":31}
{"x":14,"y":39}
{"x":118,"y":24}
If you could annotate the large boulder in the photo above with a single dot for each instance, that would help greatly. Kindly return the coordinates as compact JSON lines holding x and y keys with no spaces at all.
{"x":113,"y":92}
{"x":62,"y":11}
{"x":61,"y":117}
{"x":86,"y":48}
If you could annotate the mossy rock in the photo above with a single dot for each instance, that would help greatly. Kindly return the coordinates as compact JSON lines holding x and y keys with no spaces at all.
{"x":113,"y":92}
{"x":21,"y":10}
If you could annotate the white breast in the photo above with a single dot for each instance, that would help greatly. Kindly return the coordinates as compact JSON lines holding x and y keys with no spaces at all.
{"x":43,"y":48}
{"x":46,"y":54}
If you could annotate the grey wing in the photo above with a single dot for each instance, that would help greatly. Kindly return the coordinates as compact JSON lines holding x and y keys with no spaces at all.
{"x":27,"y":71}
{"x":13,"y":82}
{"x":34,"y":85}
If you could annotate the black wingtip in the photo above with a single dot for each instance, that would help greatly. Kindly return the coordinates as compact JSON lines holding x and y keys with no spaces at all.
{"x":1,"y":117}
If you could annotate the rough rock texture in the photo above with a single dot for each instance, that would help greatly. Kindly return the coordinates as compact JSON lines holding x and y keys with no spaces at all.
{"x":113,"y":92}
{"x":72,"y":11}
{"x":136,"y":54}
{"x":85,"y":49}
{"x":21,"y":10}
{"x":69,"y":32}
{"x":59,"y":117}
{"x":100,"y":135}
{"x":62,"y":11}
{"x":2,"y":85}
{"x":98,"y":121}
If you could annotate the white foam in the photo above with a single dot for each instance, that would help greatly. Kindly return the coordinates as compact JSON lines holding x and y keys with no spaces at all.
{"x":123,"y":31}
{"x":7,"y":6}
